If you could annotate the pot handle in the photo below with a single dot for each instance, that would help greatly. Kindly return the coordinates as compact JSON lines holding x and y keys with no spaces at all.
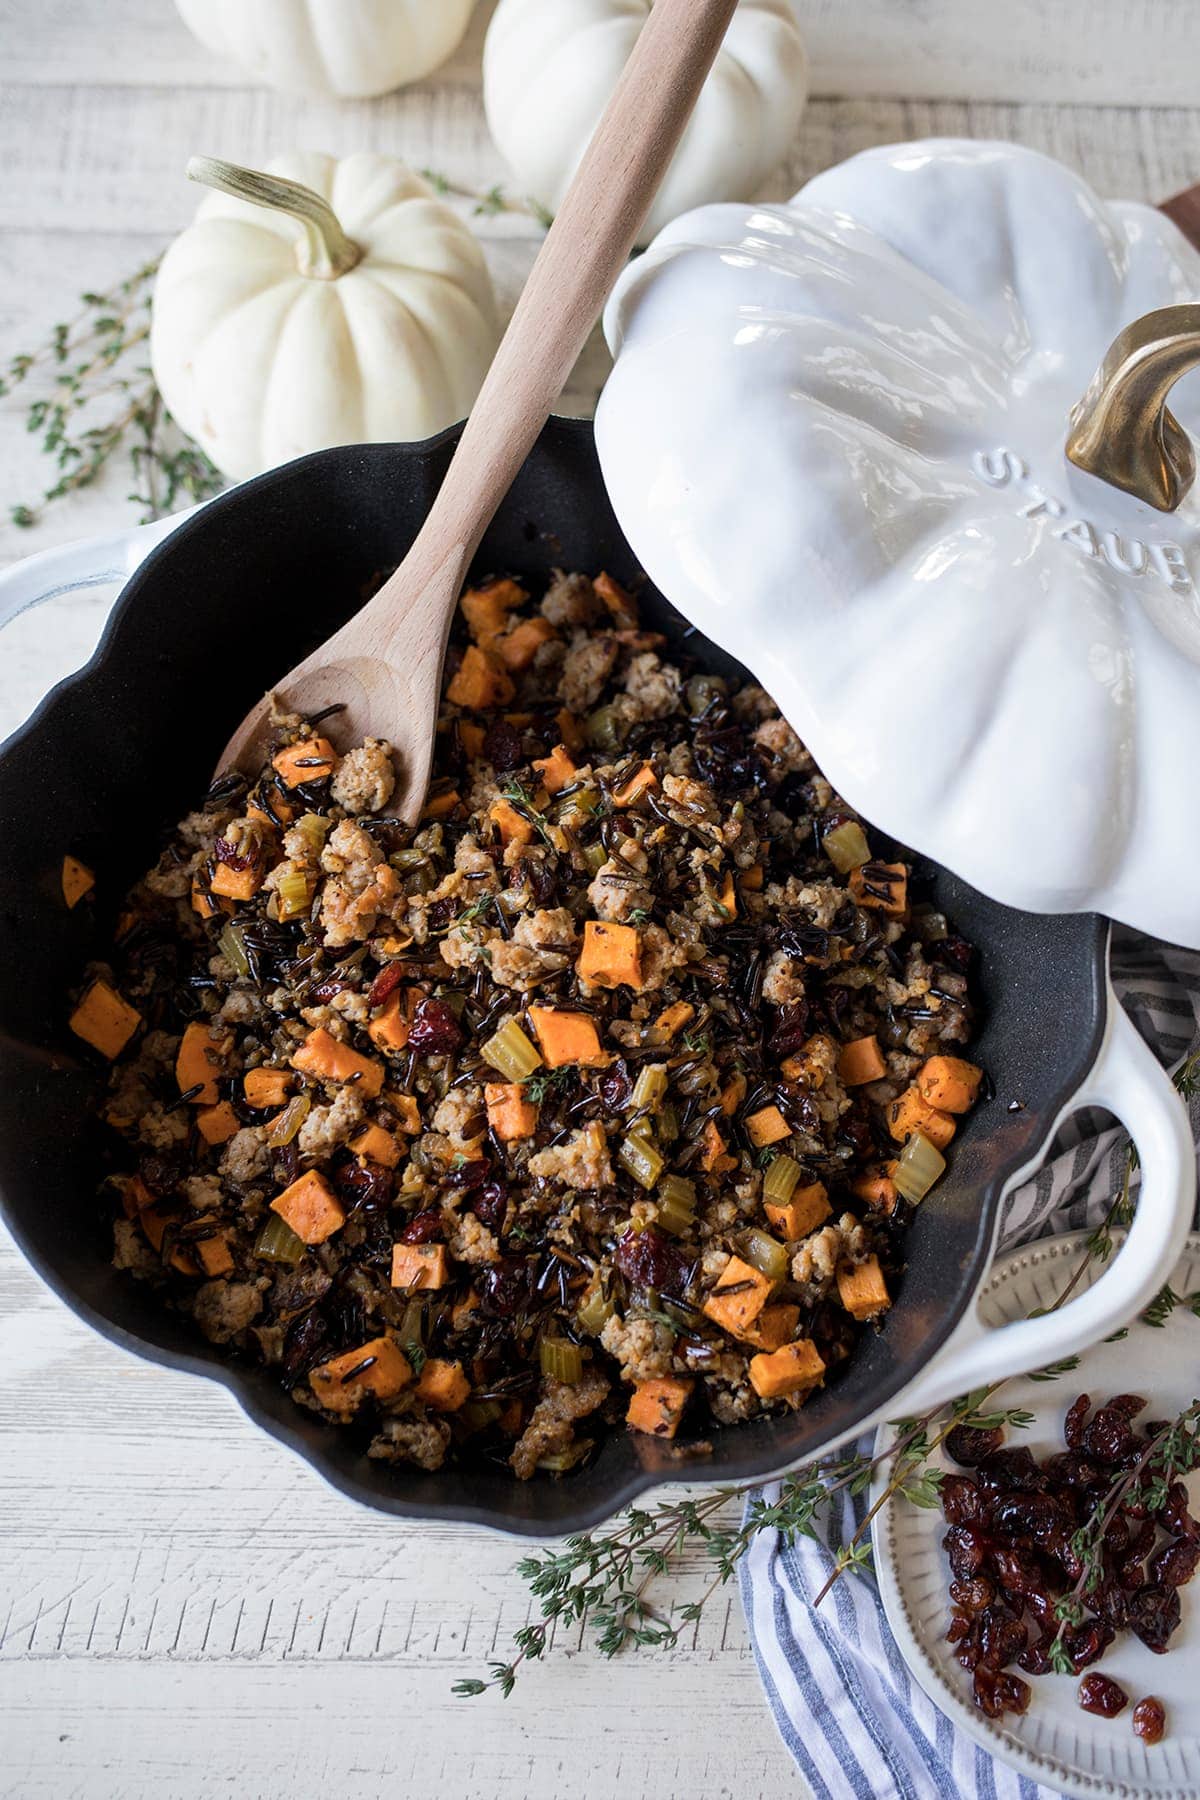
{"x":85,"y":563}
{"x":1128,"y":1081}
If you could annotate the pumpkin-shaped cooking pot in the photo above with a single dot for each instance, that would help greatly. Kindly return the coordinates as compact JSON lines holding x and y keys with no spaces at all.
{"x":837,"y":435}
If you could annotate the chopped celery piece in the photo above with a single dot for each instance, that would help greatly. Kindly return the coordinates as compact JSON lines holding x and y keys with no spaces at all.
{"x":579,"y":804}
{"x":277,"y":1242}
{"x":666,"y":1122}
{"x":917,"y":1168}
{"x":594,"y":856}
{"x":650,"y":1088}
{"x":408,"y":860}
{"x":676,"y":1198}
{"x":779,"y":1183}
{"x":639,"y":1158}
{"x":233,"y":950}
{"x":846,"y":846}
{"x":561,"y":1360}
{"x":767,"y":1254}
{"x":595,"y":1310}
{"x":286,"y":1124}
{"x":511,"y":1052}
{"x":560,"y":1461}
{"x":312,"y":827}
{"x":605,"y":728}
{"x":477,"y":1414}
{"x":411,"y":1329}
{"x":295,"y":891}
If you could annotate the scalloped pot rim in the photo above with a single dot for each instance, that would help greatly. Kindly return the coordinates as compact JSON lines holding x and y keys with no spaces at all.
{"x":834,"y":436}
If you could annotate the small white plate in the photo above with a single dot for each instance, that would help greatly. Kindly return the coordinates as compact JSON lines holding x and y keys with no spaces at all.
{"x":1056,"y":1742}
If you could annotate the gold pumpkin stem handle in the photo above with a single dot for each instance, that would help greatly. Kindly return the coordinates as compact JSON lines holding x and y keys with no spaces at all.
{"x":324,"y":252}
{"x":1121,"y":430}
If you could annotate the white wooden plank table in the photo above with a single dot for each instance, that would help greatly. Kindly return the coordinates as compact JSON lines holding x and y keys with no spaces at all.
{"x":185,"y":1611}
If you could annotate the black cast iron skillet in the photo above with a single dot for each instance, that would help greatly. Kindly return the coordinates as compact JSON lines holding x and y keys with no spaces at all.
{"x":116,"y":753}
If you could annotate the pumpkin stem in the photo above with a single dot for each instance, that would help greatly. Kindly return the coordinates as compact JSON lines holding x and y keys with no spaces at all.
{"x":1122,"y":429}
{"x":324,"y":252}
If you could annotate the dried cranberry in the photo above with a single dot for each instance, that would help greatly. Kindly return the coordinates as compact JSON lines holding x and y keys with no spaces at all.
{"x":966,"y":1548}
{"x":1034,"y":1516}
{"x":1019,"y":1571}
{"x":306,"y":1342}
{"x":1101,"y":1695}
{"x":961,"y":1501}
{"x":364,"y":1185}
{"x":441,"y":912}
{"x":798,"y":1106}
{"x":1173,"y":1514}
{"x":1010,"y":1472}
{"x":969,"y":1444}
{"x":648,"y":1259}
{"x":161,"y":1174}
{"x":502,"y":746}
{"x":489,"y":1203}
{"x":958,"y":953}
{"x":1036,"y":1659}
{"x":1176,"y":1563}
{"x":1086,"y":1643}
{"x":1002,"y":1636}
{"x":1154,"y":1614}
{"x":434,"y":1030}
{"x":229,"y":854}
{"x":615,"y":1087}
{"x":1149,"y":1720}
{"x":959,"y":1627}
{"x":385,"y":984}
{"x":1075,"y":1421}
{"x":791,"y":1029}
{"x":1071,"y":1469}
{"x":1112,"y":1604}
{"x":506,"y":1286}
{"x":329,"y":987}
{"x":973,"y":1596}
{"x":1108,"y":1436}
{"x":539,"y":877}
{"x":1129,"y":1404}
{"x":999,"y":1692}
{"x":424,"y":1227}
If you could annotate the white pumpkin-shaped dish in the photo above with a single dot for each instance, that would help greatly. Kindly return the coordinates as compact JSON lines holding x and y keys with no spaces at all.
{"x":550,"y":67}
{"x":835,"y":437}
{"x":345,"y":48}
{"x":363,"y":314}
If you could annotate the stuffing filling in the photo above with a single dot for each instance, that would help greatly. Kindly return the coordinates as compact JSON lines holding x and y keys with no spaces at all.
{"x":599,"y":1097}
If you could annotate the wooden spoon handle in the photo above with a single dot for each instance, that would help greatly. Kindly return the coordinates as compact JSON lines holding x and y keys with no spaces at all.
{"x":585,"y":250}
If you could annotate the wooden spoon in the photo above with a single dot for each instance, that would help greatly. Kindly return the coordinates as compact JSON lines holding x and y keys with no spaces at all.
{"x":385,"y":665}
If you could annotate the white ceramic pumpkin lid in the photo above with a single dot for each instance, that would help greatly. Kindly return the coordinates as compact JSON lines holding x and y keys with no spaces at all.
{"x":835,"y":436}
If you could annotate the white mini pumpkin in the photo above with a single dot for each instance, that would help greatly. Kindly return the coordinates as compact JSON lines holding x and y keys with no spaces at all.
{"x":363,"y":315}
{"x":550,"y":67}
{"x":835,"y":436}
{"x":348,"y":48}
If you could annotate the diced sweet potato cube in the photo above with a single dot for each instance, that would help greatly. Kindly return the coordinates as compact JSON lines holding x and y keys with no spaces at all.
{"x":739,"y":1296}
{"x":793,"y":1369}
{"x":312,"y":759}
{"x":310,"y":1207}
{"x":861,"y":1061}
{"x":775,"y":1325}
{"x":323,"y":1056}
{"x":713,"y":1159}
{"x":236,"y":884}
{"x":203,"y":1055}
{"x":514,"y":827}
{"x":389,"y":1028}
{"x":611,"y":955}
{"x":727,"y":897}
{"x":486,"y":608}
{"x":877,"y":1188}
{"x":862,"y":1290}
{"x":155,"y":1219}
{"x":377,"y":1145}
{"x":566,"y":1037}
{"x":77,"y":880}
{"x":910,"y":1112}
{"x":511,"y":1114}
{"x":642,"y":781}
{"x":441,"y":804}
{"x":267,"y":1087}
{"x":950,"y":1083}
{"x":520,"y":644}
{"x":480,"y":682}
{"x":442,"y":1385}
{"x":104,"y":1020}
{"x":883,"y":887}
{"x":209,"y":905}
{"x":460,"y":1312}
{"x":811,"y":1061}
{"x":569,"y":729}
{"x":808,"y":1207}
{"x":419,"y":1266}
{"x":216,"y":1258}
{"x":407,"y":1112}
{"x":671,"y":1021}
{"x":379,"y":1367}
{"x":217,"y":1124}
{"x":767,"y":1126}
{"x":471,"y":736}
{"x":621,"y":606}
{"x":657,"y":1405}
{"x":556,"y":770}
{"x":751,"y":880}
{"x":732,"y":1094}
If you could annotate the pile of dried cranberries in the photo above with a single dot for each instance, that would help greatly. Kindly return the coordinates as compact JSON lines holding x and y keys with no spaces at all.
{"x":1051,"y":1559}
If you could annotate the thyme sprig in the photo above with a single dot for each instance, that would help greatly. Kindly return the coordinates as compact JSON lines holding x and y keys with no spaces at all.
{"x":93,"y":399}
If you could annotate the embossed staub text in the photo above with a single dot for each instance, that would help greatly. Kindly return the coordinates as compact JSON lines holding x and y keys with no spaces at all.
{"x":1165,"y":561}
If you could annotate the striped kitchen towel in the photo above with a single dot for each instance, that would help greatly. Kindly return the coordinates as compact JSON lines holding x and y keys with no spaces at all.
{"x":846,"y":1706}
